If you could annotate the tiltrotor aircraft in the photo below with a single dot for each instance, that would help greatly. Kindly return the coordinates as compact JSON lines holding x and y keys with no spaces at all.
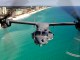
{"x":42,"y":34}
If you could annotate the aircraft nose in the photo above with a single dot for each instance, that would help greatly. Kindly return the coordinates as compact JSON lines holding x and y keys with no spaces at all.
{"x":43,"y":41}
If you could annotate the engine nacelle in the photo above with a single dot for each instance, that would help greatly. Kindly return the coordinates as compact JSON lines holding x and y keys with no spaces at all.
{"x":5,"y":23}
{"x":77,"y":25}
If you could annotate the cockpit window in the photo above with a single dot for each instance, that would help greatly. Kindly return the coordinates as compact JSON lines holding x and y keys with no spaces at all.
{"x":41,"y":33}
{"x":44,"y":33}
{"x":50,"y":32}
{"x":38,"y":32}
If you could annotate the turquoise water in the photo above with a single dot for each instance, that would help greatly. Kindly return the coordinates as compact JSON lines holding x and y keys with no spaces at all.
{"x":16,"y":42}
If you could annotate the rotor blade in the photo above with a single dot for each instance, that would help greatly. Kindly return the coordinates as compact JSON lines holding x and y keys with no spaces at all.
{"x":62,"y":23}
{"x":71,"y":11}
{"x":68,"y":7}
{"x":9,"y":13}
{"x":15,"y":4}
{"x":7,"y":40}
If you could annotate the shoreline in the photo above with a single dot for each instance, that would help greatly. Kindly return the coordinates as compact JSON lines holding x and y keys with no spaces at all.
{"x":27,"y":14}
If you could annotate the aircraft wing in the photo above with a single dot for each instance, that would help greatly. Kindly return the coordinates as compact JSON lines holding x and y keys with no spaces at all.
{"x":23,"y":22}
{"x":62,"y":23}
{"x":36,"y":23}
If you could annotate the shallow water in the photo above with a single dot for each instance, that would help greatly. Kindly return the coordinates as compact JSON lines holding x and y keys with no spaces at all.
{"x":16,"y":42}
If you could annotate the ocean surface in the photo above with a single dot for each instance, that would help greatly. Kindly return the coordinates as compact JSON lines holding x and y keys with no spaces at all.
{"x":16,"y":42}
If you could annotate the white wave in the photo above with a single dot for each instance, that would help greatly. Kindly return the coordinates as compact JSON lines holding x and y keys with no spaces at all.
{"x":78,"y":39}
{"x":72,"y":54}
{"x":3,"y":38}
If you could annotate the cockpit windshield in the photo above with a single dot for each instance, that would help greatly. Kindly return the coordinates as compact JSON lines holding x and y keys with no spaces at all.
{"x":44,"y":33}
{"x":50,"y":32}
{"x":41,"y":33}
{"x":38,"y":33}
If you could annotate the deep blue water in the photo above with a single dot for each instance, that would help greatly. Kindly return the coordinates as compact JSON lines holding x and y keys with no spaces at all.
{"x":16,"y":42}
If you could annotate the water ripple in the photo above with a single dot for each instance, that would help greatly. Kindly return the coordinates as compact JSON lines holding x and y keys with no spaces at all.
{"x":72,"y":54}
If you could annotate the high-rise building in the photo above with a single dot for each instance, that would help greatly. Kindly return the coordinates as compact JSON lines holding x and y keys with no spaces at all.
{"x":4,"y":10}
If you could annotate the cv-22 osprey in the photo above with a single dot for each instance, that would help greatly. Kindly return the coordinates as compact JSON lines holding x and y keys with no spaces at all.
{"x":42,"y":34}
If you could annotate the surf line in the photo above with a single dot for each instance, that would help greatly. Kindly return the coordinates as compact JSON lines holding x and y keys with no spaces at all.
{"x":71,"y":54}
{"x":78,"y":39}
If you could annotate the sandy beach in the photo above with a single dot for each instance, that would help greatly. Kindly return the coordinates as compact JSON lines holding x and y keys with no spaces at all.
{"x":26,"y":15}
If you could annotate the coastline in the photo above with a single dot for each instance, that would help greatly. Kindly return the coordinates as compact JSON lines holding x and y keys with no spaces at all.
{"x":27,"y":14}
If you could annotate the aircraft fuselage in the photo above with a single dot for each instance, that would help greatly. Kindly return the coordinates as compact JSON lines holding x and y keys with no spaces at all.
{"x":42,"y":34}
